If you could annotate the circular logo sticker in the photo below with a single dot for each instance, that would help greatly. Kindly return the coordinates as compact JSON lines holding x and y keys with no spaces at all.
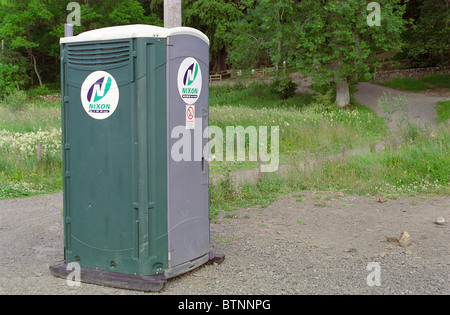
{"x":190,"y":80}
{"x":100,"y":95}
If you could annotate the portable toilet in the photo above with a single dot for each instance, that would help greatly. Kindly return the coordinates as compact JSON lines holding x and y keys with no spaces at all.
{"x":136,"y":205}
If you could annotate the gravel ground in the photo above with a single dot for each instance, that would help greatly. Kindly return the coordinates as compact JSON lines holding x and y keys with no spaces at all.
{"x":421,"y":105}
{"x":316,"y":244}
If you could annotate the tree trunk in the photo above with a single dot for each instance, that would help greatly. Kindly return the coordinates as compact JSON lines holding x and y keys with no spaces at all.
{"x":342,"y":93}
{"x":36,"y":71}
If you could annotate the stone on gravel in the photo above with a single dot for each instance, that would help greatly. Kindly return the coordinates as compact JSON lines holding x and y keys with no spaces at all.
{"x":405,"y":239}
{"x":440,"y":221}
{"x":392,"y":239}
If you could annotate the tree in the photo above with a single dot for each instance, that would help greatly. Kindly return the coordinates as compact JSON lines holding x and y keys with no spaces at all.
{"x":21,"y":26}
{"x":335,"y":42}
{"x":208,"y":16}
{"x":33,"y":28}
{"x":262,"y":33}
{"x":13,"y":68}
{"x":429,"y":34}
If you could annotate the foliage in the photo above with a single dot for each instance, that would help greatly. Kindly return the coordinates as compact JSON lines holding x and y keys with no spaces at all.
{"x":33,"y":28}
{"x":15,"y":100}
{"x":208,"y":16}
{"x":428,"y":34}
{"x":283,"y":87}
{"x":329,"y":39}
{"x":10,"y":78}
{"x":334,"y":41}
{"x":12,"y":71}
{"x":262,"y":35}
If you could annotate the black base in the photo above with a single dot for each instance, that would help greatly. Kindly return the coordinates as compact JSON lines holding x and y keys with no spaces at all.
{"x":153,"y":283}
{"x":215,"y":258}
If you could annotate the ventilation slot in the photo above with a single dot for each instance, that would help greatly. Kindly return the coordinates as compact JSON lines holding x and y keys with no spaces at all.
{"x":99,"y":54}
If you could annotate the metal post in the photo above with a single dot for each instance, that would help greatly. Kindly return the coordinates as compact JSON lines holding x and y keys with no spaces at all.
{"x":68,"y":30}
{"x":172,"y":13}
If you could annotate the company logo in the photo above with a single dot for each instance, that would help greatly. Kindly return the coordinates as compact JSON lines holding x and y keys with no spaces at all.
{"x":190,"y":80}
{"x":99,"y":89}
{"x":190,"y":75}
{"x":100,"y":95}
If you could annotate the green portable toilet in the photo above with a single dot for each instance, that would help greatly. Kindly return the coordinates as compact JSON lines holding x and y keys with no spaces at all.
{"x":136,"y":210}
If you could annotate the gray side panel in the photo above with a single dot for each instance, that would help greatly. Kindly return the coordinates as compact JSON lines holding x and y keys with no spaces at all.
{"x":188,"y":192}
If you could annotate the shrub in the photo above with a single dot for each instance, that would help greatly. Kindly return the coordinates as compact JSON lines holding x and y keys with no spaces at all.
{"x":10,"y":78}
{"x":283,"y":87}
{"x":15,"y":100}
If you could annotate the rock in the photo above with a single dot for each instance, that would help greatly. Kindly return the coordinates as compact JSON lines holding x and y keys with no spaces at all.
{"x":440,"y":221}
{"x":391,"y":239}
{"x":405,"y":239}
{"x":382,"y":199}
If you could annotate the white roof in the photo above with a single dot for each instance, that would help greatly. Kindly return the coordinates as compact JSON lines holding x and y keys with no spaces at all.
{"x":133,"y":31}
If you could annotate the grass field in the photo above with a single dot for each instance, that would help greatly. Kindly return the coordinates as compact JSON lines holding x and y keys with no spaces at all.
{"x":305,"y":121}
{"x":420,"y":165}
{"x":22,"y":128}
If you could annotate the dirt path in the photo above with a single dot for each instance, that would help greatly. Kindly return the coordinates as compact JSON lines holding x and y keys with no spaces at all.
{"x":315,"y":244}
{"x":421,"y":105}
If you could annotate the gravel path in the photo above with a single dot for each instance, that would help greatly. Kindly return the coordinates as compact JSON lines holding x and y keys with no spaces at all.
{"x":315,"y":244}
{"x":421,"y":105}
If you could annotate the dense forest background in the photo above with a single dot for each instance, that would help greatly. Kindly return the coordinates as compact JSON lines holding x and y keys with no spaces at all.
{"x":245,"y":34}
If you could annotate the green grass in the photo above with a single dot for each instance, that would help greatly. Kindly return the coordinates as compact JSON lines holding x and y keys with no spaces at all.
{"x":439,"y":80}
{"x":417,"y":168}
{"x":407,"y":84}
{"x":257,"y":95}
{"x":420,"y":166}
{"x":304,"y":121}
{"x":24,"y":123}
{"x":30,"y":120}
{"x":443,"y":112}
{"x":422,"y":84}
{"x":226,"y":196}
{"x":21,"y":114}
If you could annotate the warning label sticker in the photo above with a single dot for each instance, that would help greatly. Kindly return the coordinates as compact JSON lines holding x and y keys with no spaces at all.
{"x":190,"y":116}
